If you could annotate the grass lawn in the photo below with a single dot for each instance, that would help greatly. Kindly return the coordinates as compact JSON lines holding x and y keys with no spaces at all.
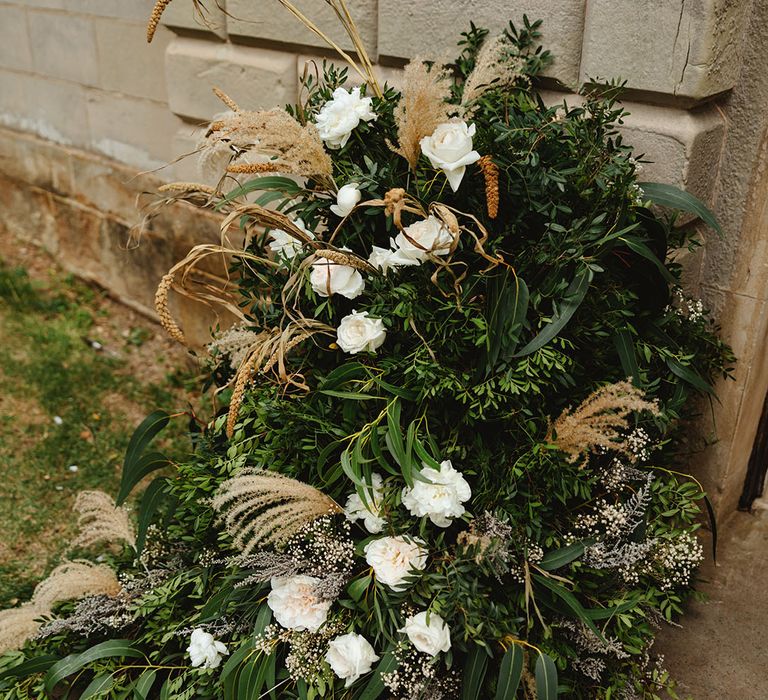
{"x":78,"y":372}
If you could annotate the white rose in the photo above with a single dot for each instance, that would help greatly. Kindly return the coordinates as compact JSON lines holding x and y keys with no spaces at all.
{"x":441,"y":497}
{"x":385,"y":259}
{"x":417,"y":241}
{"x":338,"y":117}
{"x":285,"y":244}
{"x":450,"y":149}
{"x":350,"y":656}
{"x":346,"y":200}
{"x":428,"y":633}
{"x":357,"y":333}
{"x":204,"y":650}
{"x":368,"y":512}
{"x":295,"y":604}
{"x":328,"y":277}
{"x":394,"y":558}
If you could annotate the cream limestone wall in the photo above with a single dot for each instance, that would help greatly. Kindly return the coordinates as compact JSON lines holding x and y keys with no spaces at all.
{"x":95,"y":104}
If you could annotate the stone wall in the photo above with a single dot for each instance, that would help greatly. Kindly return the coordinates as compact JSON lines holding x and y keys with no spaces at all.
{"x":78,"y":74}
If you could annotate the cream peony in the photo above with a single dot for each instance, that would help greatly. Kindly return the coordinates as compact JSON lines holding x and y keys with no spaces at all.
{"x":440,"y":497}
{"x":428,"y":633}
{"x":357,"y":333}
{"x":414,"y":245}
{"x":450,"y":149}
{"x":295,"y":604}
{"x":394,"y":558}
{"x":368,"y":512}
{"x":341,"y":115}
{"x":329,"y":278}
{"x":350,"y":656}
{"x":284,"y":244}
{"x":346,"y":199}
{"x":204,"y":650}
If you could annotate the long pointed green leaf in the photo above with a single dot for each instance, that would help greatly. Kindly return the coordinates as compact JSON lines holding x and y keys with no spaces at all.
{"x":546,"y":678}
{"x":375,"y":687}
{"x":134,"y":472}
{"x":644,"y":251}
{"x":99,"y":686}
{"x":144,"y":684}
{"x":474,"y":673}
{"x":675,"y":198}
{"x":570,"y":600}
{"x":510,"y":672}
{"x":150,"y":501}
{"x":558,"y":558}
{"x":114,"y":648}
{"x":625,"y":347}
{"x":688,"y":375}
{"x":37,"y":664}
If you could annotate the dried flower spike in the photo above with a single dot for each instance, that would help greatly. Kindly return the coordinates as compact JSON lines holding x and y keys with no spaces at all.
{"x":154,"y":18}
{"x":491,"y":174}
{"x":164,"y":312}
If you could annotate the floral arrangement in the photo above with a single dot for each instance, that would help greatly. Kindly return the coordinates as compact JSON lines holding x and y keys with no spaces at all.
{"x":449,"y":460}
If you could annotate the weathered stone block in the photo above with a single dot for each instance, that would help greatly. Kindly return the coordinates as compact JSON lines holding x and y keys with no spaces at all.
{"x":432,"y":29}
{"x":686,"y":48}
{"x":36,"y":162}
{"x":269,"y":21}
{"x":14,"y":38}
{"x":255,"y":78}
{"x":127,"y":64}
{"x":63,"y":46}
{"x":180,"y":15}
{"x":133,"y":131}
{"x":136,"y":10}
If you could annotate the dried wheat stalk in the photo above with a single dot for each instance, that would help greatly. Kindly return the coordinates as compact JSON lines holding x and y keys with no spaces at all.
{"x":154,"y":18}
{"x":100,"y":520}
{"x":163,"y":310}
{"x":262,"y":508}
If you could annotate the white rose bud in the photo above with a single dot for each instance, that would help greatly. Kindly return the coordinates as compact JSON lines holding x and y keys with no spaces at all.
{"x":368,"y":512}
{"x":346,"y":199}
{"x":417,"y":241}
{"x":440,"y":497}
{"x":350,"y":656}
{"x":394,"y":558}
{"x":428,"y":633}
{"x":295,"y":604}
{"x":204,"y":650}
{"x":358,"y":333}
{"x":328,"y":277}
{"x":341,"y":115}
{"x":450,"y":150}
{"x":284,"y":244}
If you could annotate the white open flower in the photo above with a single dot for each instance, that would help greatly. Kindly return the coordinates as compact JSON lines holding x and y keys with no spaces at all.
{"x":204,"y":650}
{"x":417,"y":241}
{"x":350,"y":656}
{"x":449,"y":148}
{"x":368,"y":512}
{"x":394,"y":558}
{"x":441,"y":497}
{"x":428,"y":633}
{"x":295,"y":604}
{"x":328,"y":277}
{"x":341,"y":115}
{"x":358,"y":333}
{"x":284,"y":244}
{"x":346,"y":199}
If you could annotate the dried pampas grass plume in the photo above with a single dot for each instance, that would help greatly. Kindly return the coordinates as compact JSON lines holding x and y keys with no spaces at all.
{"x":495,"y":66}
{"x":71,"y":580}
{"x":262,"y":508}
{"x":599,"y":421}
{"x":421,"y":108}
{"x":100,"y":520}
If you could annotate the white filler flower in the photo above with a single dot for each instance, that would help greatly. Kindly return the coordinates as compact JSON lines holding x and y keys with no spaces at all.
{"x":346,"y":199}
{"x":450,"y":149}
{"x":204,"y":650}
{"x":285,"y":244}
{"x":358,"y":333}
{"x":329,"y":278}
{"x":368,"y":512}
{"x":440,"y":497}
{"x":295,"y":604}
{"x":428,"y":633}
{"x":341,"y":115}
{"x":417,"y":241}
{"x":394,"y":558}
{"x":350,"y":656}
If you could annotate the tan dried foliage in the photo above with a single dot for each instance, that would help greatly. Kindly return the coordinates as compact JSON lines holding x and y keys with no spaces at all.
{"x":421,"y":108}
{"x":294,"y":149}
{"x":100,"y":520}
{"x":600,"y":421}
{"x":495,"y":66}
{"x":17,"y":625}
{"x":260,"y":508}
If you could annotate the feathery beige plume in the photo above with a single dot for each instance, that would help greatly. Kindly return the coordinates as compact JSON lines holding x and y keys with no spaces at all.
{"x":495,"y":66}
{"x":100,"y":520}
{"x":262,"y":508}
{"x":421,"y":108}
{"x":599,"y":421}
{"x":69,"y":581}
